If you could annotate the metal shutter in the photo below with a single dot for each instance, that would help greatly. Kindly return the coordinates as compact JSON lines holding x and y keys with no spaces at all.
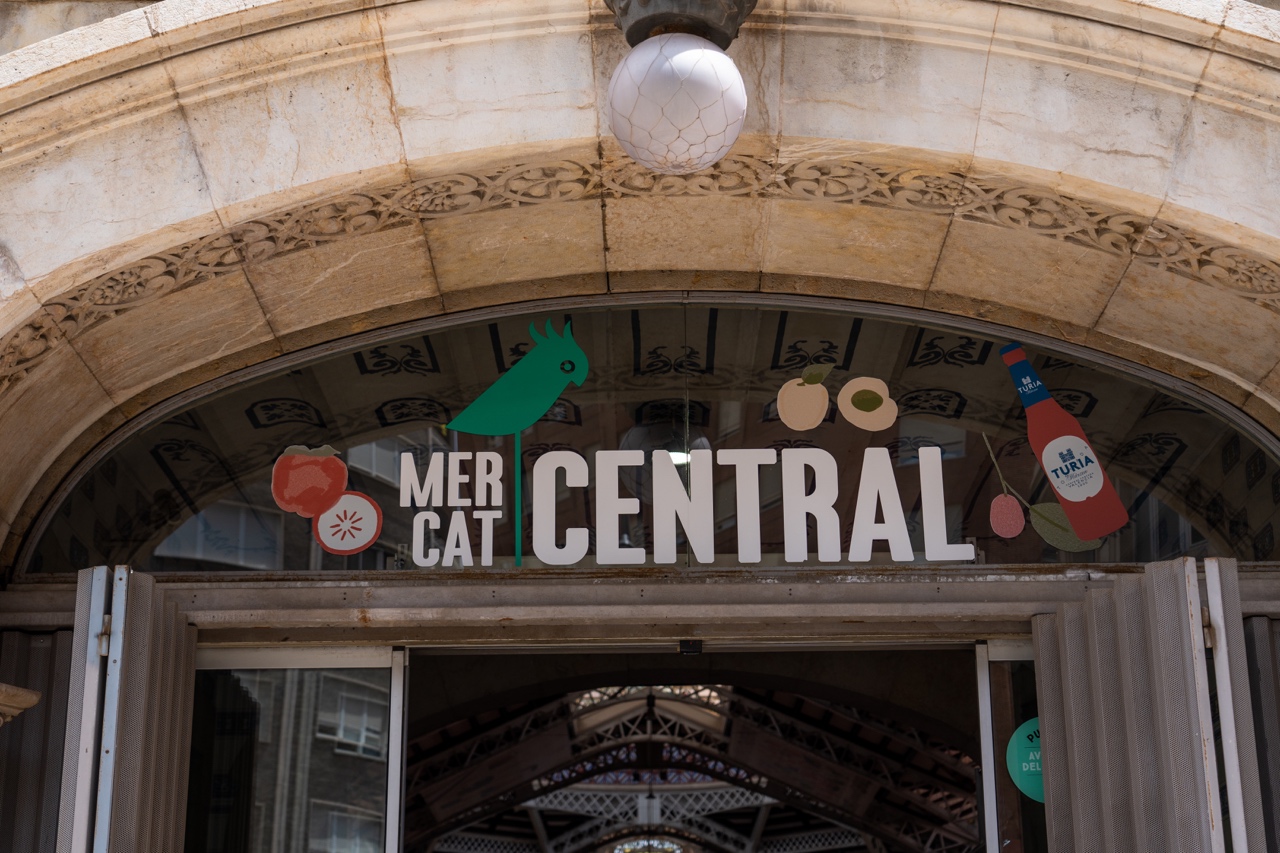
{"x":1123,"y":683}
{"x":133,"y":765}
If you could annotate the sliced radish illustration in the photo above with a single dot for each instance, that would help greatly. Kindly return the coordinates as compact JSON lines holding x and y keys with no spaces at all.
{"x":349,"y":526}
{"x":1007,"y":520}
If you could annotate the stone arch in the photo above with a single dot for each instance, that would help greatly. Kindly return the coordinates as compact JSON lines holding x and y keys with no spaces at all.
{"x":209,"y":214}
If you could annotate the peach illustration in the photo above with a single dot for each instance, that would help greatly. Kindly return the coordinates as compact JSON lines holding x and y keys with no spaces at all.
{"x":866,"y":404}
{"x":803,"y":402}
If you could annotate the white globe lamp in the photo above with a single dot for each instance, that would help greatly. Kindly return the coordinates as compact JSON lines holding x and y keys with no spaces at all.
{"x":676,"y":103}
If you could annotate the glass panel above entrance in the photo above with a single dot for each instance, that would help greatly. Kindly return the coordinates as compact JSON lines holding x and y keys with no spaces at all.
{"x":689,"y":437}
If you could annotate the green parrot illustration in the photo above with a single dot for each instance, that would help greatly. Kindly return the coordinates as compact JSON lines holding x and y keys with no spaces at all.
{"x":526,"y":391}
{"x":523,"y":394}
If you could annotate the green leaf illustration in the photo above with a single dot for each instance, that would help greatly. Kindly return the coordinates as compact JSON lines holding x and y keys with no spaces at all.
{"x":1050,"y":521}
{"x":816,"y":374}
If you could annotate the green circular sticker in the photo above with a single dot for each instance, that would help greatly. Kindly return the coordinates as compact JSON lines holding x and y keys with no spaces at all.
{"x":1023,"y":759}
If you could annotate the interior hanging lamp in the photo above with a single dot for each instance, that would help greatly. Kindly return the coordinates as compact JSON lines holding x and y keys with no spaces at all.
{"x":676,"y":101}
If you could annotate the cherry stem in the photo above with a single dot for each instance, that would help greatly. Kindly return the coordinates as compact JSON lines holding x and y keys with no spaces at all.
{"x":1003,"y":483}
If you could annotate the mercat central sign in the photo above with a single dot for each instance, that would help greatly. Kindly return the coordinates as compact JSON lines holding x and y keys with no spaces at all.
{"x":461,"y":507}
{"x":811,"y":482}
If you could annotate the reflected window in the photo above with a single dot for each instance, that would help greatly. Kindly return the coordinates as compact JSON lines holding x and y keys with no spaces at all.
{"x":232,"y":534}
{"x":381,"y":459}
{"x":274,"y":751}
{"x":336,"y":828}
{"x":353,"y":716}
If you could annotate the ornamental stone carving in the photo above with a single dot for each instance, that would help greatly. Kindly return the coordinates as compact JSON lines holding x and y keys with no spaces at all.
{"x":833,"y":181}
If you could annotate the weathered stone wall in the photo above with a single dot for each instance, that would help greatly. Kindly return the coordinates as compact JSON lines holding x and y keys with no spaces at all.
{"x":24,"y":22}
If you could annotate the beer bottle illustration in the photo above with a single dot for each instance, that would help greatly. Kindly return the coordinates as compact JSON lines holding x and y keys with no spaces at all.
{"x":1072,"y":465}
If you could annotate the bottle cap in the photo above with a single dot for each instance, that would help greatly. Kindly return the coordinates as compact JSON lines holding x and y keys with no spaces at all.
{"x":1012,"y":354}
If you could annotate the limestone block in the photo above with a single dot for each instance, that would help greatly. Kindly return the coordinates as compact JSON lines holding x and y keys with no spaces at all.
{"x":80,"y":56}
{"x":99,"y":186}
{"x":900,"y":72}
{"x":1089,"y":100}
{"x":1232,"y":146}
{"x":640,"y":281}
{"x":206,"y":323}
{"x":1196,"y":22}
{"x":864,"y":291}
{"x":1250,"y":28}
{"x":1231,"y":336}
{"x":15,"y":308}
{"x":1006,"y":315}
{"x":1269,"y":388}
{"x":587,"y":284}
{"x":861,"y":242}
{"x":1166,"y":359}
{"x":516,"y":244}
{"x":332,"y":287}
{"x":289,"y":107}
{"x":1265,"y":409}
{"x":465,"y":75}
{"x":684,"y":233}
{"x":37,"y":423}
{"x":1025,"y":270}
{"x":758,"y":54}
{"x":24,"y":23}
{"x":17,"y":302}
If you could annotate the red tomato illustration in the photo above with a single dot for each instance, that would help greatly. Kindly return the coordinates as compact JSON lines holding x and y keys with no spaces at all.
{"x":306,"y":481}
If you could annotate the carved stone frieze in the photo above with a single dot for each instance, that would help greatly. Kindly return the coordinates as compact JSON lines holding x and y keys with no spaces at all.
{"x":835,"y":180}
{"x":734,"y":175}
{"x":510,"y":186}
{"x":25,"y":347}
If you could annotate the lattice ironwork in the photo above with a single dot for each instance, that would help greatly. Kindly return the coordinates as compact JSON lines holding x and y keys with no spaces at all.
{"x":656,"y":726}
{"x":920,"y":795}
{"x":711,"y":695}
{"x":934,"y":797}
{"x":465,"y":842}
{"x":681,"y":812}
{"x":813,"y":842}
{"x":582,"y":837}
{"x":470,"y":751}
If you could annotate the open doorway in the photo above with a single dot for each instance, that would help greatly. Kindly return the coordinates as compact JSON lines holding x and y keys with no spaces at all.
{"x":433,"y":751}
{"x":666,"y":753}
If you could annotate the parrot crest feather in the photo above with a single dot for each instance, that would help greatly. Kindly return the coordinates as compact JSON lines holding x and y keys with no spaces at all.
{"x":522,"y":395}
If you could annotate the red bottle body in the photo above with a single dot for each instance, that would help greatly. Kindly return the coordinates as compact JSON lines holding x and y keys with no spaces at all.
{"x":1073,"y":467}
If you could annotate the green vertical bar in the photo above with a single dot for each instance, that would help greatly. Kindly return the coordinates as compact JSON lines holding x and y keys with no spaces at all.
{"x":519,"y":502}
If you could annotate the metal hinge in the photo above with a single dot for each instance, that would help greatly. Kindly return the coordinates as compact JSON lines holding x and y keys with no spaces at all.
{"x":104,"y":639}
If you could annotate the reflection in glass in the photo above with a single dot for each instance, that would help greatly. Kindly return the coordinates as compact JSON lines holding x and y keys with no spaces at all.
{"x":287,"y":760}
{"x":229,"y":533}
{"x":192,"y":493}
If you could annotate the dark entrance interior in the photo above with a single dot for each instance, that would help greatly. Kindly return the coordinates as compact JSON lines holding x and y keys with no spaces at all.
{"x":784,"y":752}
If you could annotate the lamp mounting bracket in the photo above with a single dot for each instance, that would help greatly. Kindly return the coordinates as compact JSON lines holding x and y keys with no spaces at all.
{"x":717,"y":21}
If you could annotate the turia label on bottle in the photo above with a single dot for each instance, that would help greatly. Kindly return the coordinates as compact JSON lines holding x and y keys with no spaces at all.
{"x":1073,"y":468}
